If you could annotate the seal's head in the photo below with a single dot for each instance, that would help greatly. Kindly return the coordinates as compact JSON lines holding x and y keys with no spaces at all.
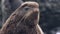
{"x":30,"y":12}
{"x":24,"y":18}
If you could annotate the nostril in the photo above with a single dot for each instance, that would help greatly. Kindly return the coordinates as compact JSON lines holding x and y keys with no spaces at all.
{"x":36,"y":10}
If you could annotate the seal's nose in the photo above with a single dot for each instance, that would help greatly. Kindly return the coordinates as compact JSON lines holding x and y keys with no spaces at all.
{"x":36,"y":9}
{"x":35,"y":13}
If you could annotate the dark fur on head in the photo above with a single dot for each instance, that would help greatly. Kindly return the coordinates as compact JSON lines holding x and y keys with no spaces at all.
{"x":32,"y":4}
{"x":23,"y":21}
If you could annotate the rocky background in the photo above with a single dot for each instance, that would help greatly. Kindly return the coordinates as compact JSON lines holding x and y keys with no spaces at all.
{"x":49,"y":17}
{"x":0,"y":15}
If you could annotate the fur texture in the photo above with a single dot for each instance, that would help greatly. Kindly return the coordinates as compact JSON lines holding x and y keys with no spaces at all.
{"x":24,"y":20}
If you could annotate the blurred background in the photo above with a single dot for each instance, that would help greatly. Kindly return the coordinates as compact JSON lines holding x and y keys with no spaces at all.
{"x":49,"y":15}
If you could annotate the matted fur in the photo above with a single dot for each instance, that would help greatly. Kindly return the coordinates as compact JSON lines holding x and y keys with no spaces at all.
{"x":23,"y":21}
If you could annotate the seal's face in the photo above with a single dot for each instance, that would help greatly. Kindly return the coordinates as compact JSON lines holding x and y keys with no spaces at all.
{"x":30,"y":14}
{"x":31,"y":18}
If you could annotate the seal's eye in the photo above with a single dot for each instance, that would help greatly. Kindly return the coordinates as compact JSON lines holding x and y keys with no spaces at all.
{"x":26,"y":8}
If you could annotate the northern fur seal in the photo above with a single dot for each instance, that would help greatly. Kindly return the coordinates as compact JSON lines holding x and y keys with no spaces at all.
{"x":24,"y":20}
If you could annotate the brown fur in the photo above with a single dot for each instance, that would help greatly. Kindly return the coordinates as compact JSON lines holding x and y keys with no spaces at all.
{"x":23,"y":21}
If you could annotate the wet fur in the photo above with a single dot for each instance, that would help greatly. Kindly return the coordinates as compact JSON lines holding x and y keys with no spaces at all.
{"x":22,"y":22}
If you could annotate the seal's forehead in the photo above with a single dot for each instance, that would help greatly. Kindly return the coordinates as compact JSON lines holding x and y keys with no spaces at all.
{"x":30,"y":3}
